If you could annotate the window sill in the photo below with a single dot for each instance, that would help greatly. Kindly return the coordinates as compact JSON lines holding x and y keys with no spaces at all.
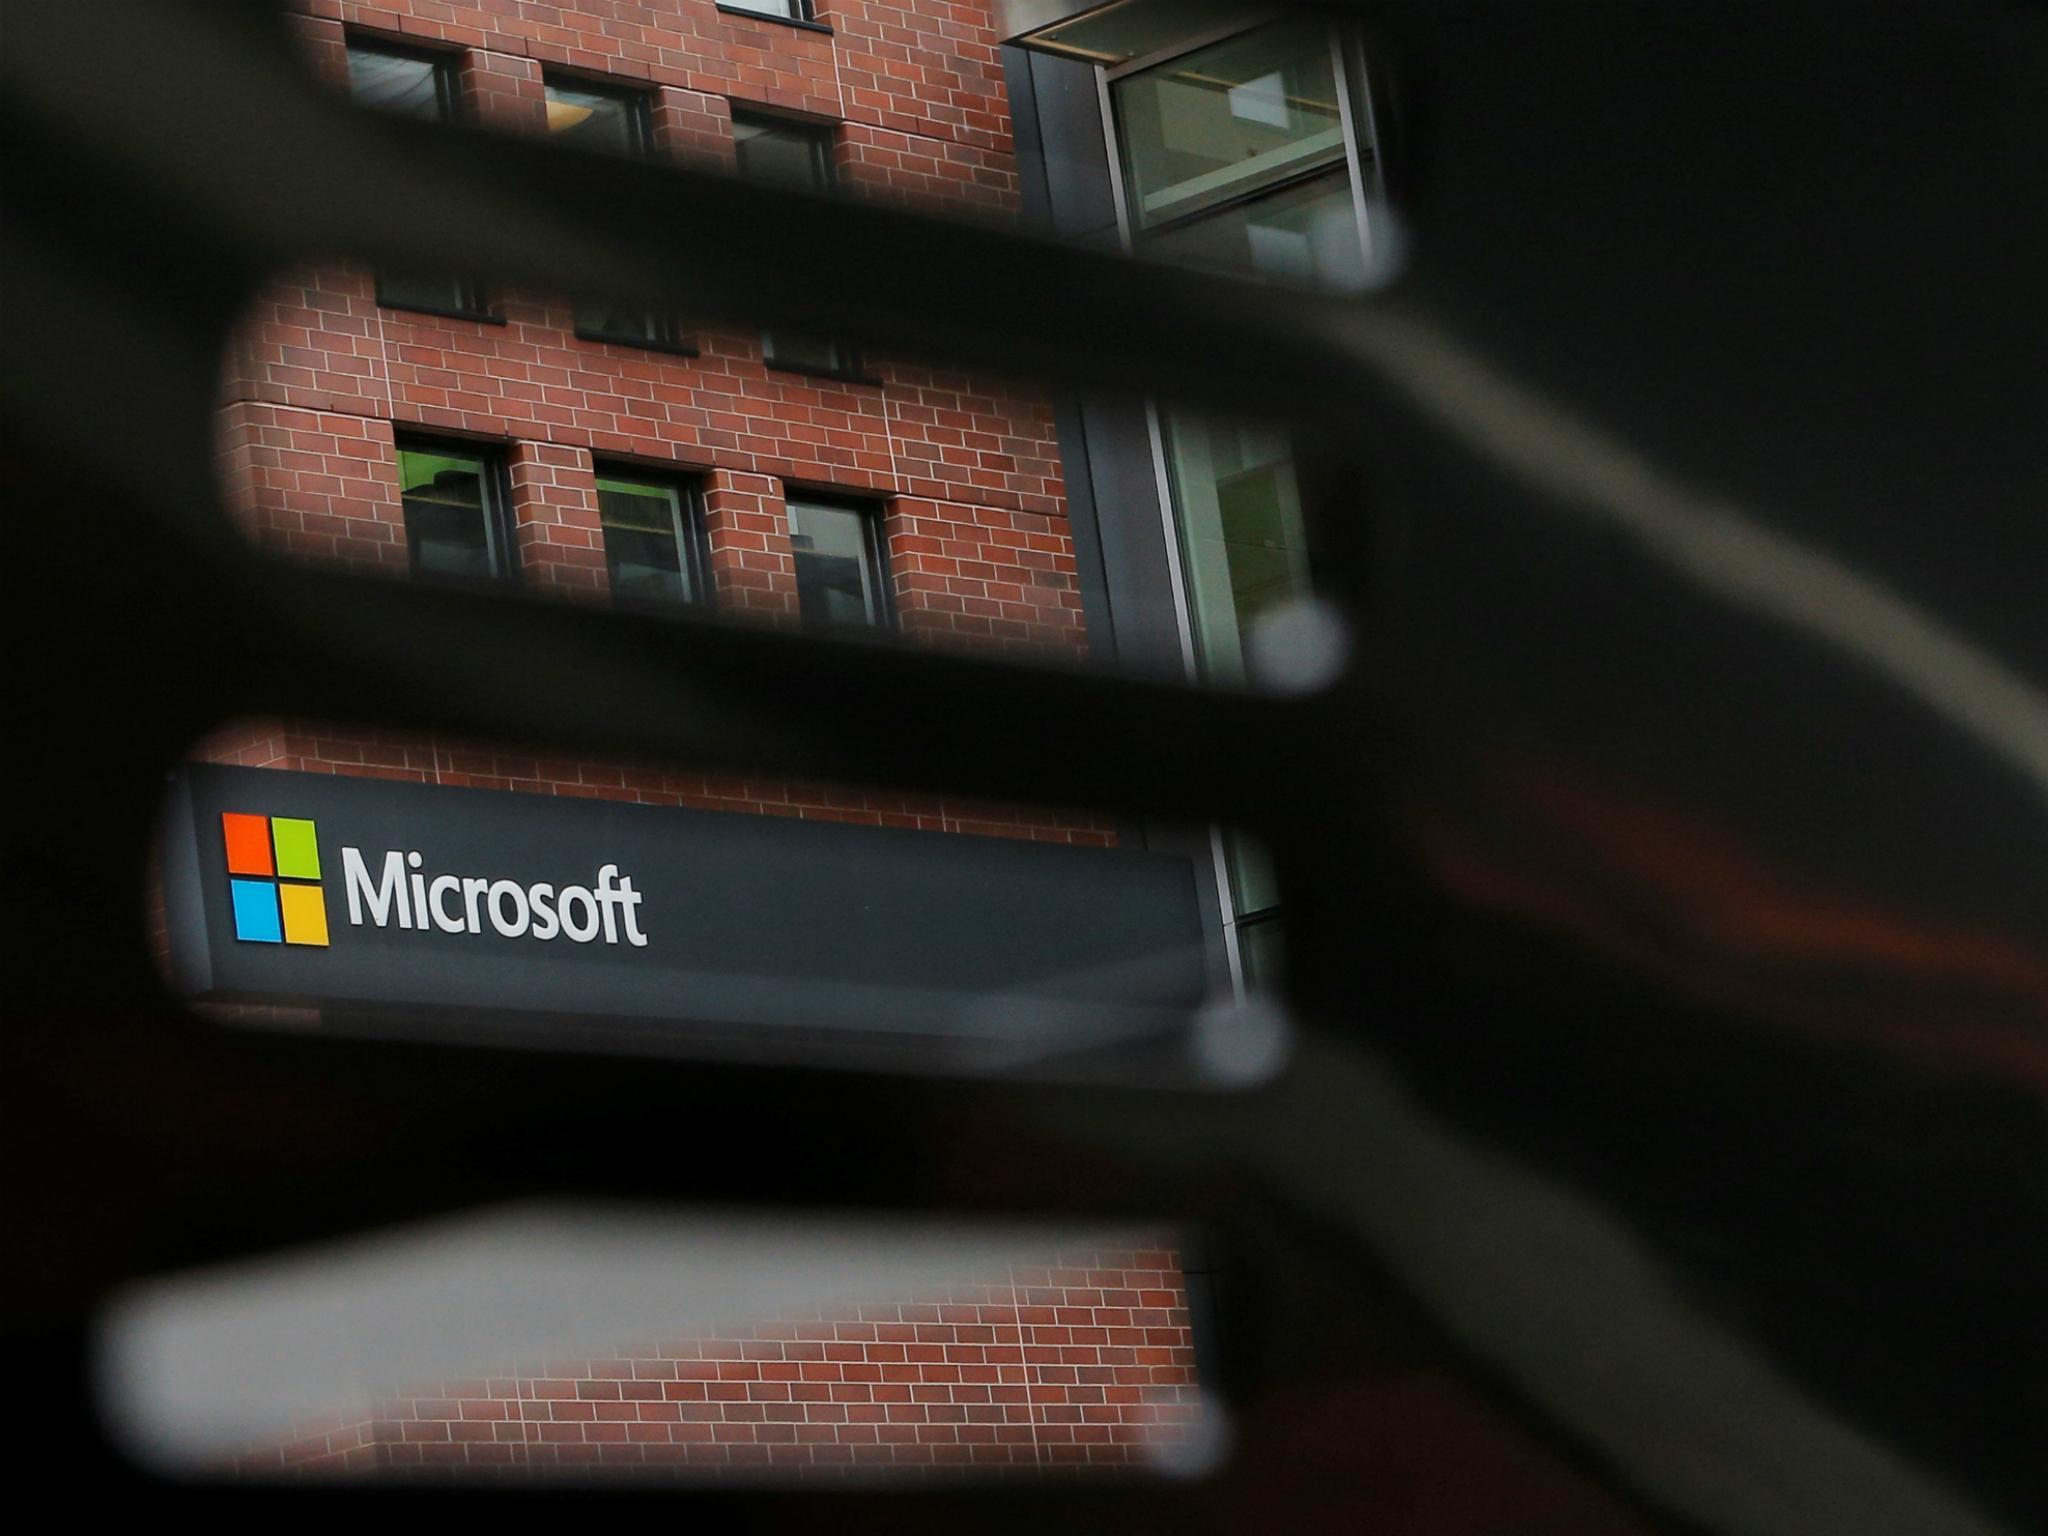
{"x":835,"y":375}
{"x":641,"y":343}
{"x":802,"y":22}
{"x":480,"y":316}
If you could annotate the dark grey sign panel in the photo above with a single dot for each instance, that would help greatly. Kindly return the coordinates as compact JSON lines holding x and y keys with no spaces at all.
{"x":501,"y":904}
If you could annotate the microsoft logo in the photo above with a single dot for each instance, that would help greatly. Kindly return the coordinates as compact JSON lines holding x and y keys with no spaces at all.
{"x":277,"y":906}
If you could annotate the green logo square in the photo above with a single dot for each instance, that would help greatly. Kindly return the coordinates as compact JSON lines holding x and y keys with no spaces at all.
{"x":298,"y":856}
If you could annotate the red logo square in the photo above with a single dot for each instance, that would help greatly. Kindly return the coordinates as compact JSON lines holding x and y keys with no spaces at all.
{"x":248,"y":839}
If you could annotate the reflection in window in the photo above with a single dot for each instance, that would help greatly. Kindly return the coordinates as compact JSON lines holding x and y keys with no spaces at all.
{"x":1228,"y":120}
{"x":453,"y":515}
{"x":609,"y":120}
{"x":790,"y":10}
{"x":650,"y":540}
{"x":602,"y":118}
{"x":781,"y":153}
{"x":420,"y":85}
{"x":406,"y":84}
{"x":1305,"y":233}
{"x":838,"y":564}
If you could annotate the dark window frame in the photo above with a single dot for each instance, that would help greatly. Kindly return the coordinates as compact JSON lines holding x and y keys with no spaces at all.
{"x":500,"y":530}
{"x":693,"y":537}
{"x":819,"y":133}
{"x":639,"y":97}
{"x":822,"y":138}
{"x":446,"y":63}
{"x":665,"y":333}
{"x":874,"y":514}
{"x":1360,"y":138}
{"x":804,"y":15}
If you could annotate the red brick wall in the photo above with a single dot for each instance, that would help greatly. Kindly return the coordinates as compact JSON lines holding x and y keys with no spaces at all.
{"x":966,"y":469}
{"x":371,"y":753}
{"x":1086,"y":1362}
{"x":916,"y":92}
{"x":1077,"y":1364}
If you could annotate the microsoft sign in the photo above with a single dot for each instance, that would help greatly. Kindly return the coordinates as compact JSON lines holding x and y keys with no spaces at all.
{"x":467,"y":910}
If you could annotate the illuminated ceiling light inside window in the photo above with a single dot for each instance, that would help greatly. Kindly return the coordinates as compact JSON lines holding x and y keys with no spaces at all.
{"x":1119,"y":31}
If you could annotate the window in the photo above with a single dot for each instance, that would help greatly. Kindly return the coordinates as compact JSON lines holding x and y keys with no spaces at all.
{"x":1244,"y":548}
{"x":1228,"y":120}
{"x":421,"y":85}
{"x":787,"y":10}
{"x":840,"y":574}
{"x":1305,"y":233}
{"x":783,"y":153}
{"x":454,"y":511}
{"x":787,"y":154}
{"x":611,"y":120}
{"x":1236,"y":156}
{"x":608,"y":119}
{"x":653,"y":538}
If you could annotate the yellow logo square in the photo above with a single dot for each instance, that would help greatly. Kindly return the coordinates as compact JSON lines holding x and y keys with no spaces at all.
{"x":305,"y":914}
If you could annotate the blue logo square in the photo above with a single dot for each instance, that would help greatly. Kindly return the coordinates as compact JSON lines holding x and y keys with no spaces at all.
{"x":256,"y":911}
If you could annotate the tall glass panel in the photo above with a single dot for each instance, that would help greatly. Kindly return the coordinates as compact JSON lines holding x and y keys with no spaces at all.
{"x":1227,"y":120}
{"x":1244,"y":554}
{"x":644,"y":534}
{"x":836,"y":571}
{"x":450,"y":505}
{"x":1234,"y":159}
{"x":1244,"y":550}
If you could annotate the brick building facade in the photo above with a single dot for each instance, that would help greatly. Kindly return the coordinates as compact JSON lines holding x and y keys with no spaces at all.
{"x":1078,"y":1362}
{"x":1081,"y":1362}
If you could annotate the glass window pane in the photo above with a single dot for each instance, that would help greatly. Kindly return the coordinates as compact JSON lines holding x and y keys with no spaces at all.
{"x":789,"y":351}
{"x":834,"y":569}
{"x":610,"y":122}
{"x":403,"y":290}
{"x":619,"y":322}
{"x":780,"y":154}
{"x":1306,"y":234}
{"x":790,"y":155}
{"x":411,"y":86}
{"x":397,"y":82}
{"x":1244,"y":549}
{"x":1254,"y":884}
{"x":1225,"y":120}
{"x":790,"y":8}
{"x":643,"y":540}
{"x":448,"y":507}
